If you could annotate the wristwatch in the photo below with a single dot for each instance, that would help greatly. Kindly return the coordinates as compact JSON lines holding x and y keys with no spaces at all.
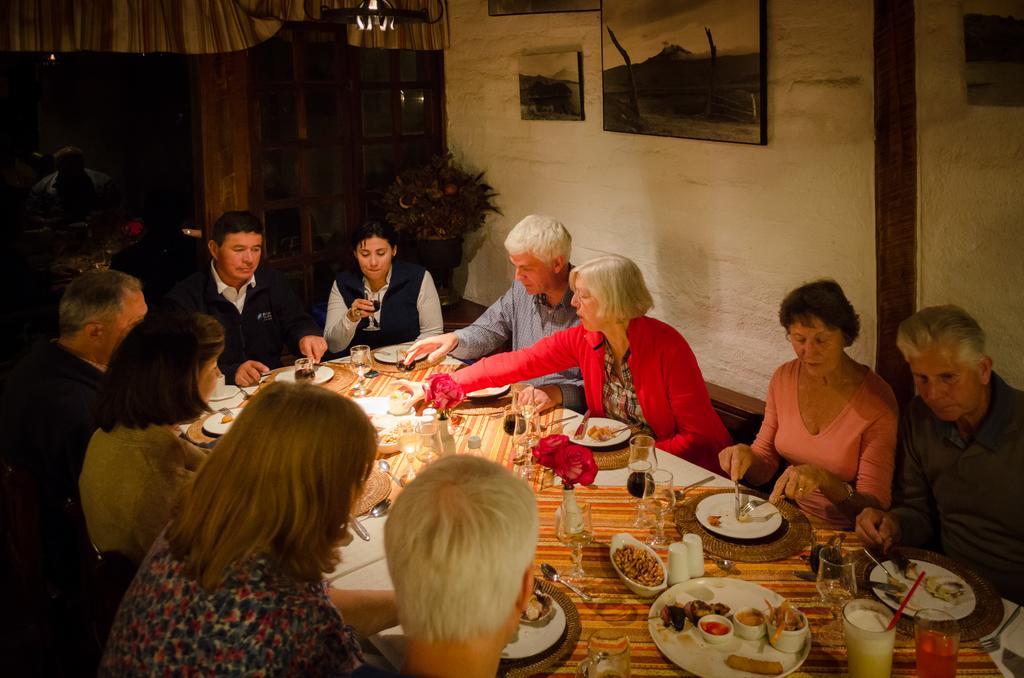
{"x":849,"y":492}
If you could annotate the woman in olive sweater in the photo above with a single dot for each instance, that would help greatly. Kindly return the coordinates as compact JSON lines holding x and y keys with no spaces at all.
{"x":160,"y":377}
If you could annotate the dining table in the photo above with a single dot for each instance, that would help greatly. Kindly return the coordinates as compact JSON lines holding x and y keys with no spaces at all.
{"x":363,"y":563}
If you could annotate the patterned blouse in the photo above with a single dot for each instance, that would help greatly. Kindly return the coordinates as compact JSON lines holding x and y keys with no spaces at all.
{"x":619,"y":396}
{"x":258,"y":622}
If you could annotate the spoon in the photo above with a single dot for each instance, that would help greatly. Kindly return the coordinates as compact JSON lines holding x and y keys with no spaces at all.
{"x":384,"y":466}
{"x":723,"y":564}
{"x":380,"y":508}
{"x":551,"y":574}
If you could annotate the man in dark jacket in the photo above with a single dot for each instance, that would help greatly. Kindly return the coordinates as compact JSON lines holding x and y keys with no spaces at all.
{"x":257,"y":308}
{"x":47,"y":415}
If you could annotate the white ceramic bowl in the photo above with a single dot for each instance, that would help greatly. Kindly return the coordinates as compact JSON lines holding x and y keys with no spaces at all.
{"x":711,"y":638}
{"x":623,"y":539}
{"x":748,"y":631}
{"x":789,"y":641}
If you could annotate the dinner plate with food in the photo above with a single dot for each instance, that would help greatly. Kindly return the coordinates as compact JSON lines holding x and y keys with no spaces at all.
{"x":720,"y":627}
{"x":218,"y":423}
{"x":487,"y":393}
{"x":322,"y":375}
{"x":600,"y":432}
{"x":941,"y":589}
{"x":389,"y":354}
{"x":541,"y":625}
{"x":717,"y":513}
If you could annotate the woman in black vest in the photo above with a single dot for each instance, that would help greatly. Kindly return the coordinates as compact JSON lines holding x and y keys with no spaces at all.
{"x":407,"y":304}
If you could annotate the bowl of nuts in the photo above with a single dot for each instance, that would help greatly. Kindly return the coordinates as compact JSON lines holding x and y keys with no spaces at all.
{"x":638,"y":565}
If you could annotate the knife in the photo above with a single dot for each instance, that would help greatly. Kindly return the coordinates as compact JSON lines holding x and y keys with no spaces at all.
{"x":358,"y":528}
{"x":583,"y":425}
{"x":881,"y":586}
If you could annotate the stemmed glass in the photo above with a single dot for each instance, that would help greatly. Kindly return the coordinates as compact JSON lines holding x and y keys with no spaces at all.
{"x":574,"y":528}
{"x":430,"y":442}
{"x":837,"y":584}
{"x":374,"y":298}
{"x":523,"y":396}
{"x":408,"y":443}
{"x":664,"y":498}
{"x":361,"y":361}
{"x":642,"y":462}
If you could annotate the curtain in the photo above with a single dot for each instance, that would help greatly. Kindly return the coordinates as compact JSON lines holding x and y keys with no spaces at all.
{"x":184,"y":26}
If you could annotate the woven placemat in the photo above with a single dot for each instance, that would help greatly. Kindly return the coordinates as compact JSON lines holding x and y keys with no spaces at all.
{"x":611,"y":460}
{"x":195,"y":432}
{"x":413,"y":374}
{"x":559,"y":652}
{"x":988,"y":608}
{"x":794,"y":536}
{"x":377,"y":487}
{"x":343,"y":378}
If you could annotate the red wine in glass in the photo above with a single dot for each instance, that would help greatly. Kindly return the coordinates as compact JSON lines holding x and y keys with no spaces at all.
{"x":638,"y":484}
{"x":514,"y":424}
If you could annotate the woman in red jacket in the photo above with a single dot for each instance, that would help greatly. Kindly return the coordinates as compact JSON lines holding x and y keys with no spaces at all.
{"x":636,"y":369}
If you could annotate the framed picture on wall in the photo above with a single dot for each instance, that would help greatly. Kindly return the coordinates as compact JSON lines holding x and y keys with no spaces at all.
{"x":550,"y":86}
{"x":993,"y":40}
{"x":692,"y":70}
{"x":503,"y":7}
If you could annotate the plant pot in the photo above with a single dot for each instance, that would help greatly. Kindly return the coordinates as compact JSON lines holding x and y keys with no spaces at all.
{"x":441,"y":257}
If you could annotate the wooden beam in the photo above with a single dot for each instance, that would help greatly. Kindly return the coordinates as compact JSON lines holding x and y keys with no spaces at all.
{"x":895,"y":185}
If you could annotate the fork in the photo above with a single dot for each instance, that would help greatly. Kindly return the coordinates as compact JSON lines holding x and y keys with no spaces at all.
{"x":992,"y":643}
{"x":747,"y":508}
{"x":545,"y":427}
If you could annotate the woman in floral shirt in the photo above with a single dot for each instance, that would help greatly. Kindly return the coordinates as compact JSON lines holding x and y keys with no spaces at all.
{"x":235,"y":585}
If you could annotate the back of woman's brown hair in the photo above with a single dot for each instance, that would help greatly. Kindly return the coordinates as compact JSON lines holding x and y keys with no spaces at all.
{"x":153,"y":378}
{"x":282,"y":482}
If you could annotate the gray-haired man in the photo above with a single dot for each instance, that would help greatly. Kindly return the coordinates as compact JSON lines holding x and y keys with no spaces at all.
{"x":962,"y":453}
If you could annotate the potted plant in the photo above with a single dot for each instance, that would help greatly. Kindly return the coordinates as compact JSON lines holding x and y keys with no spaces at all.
{"x":437,"y":204}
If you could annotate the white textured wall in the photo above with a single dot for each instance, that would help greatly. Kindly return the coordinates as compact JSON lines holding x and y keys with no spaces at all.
{"x":721,"y":230}
{"x":971,"y":248}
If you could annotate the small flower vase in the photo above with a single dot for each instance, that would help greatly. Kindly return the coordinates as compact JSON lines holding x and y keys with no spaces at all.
{"x":447,"y":441}
{"x":571,"y":513}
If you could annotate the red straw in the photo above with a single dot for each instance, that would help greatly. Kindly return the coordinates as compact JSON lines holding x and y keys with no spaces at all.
{"x":899,"y":611}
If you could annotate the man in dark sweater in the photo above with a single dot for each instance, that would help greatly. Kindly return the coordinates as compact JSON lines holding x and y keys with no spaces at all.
{"x":47,"y":414}
{"x":961,"y":451}
{"x":257,"y":308}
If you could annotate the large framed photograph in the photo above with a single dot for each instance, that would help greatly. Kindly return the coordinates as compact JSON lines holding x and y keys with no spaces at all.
{"x":502,"y":7}
{"x":994,"y":52}
{"x":550,"y":86}
{"x":695,"y":70}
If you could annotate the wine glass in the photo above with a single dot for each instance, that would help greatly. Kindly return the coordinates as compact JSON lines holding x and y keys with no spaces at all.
{"x":429,"y":442}
{"x":523,"y":395}
{"x":408,"y":443}
{"x":641,"y":459}
{"x":573,"y":528}
{"x":374,"y":298}
{"x":837,"y":584}
{"x":361,"y":361}
{"x":663,"y":497}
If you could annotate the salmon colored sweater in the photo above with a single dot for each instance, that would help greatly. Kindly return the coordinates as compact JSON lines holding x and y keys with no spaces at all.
{"x":858,"y":446}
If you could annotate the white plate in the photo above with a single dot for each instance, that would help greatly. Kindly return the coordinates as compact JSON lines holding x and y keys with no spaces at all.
{"x":724,"y":505}
{"x":959,"y":608}
{"x":323,"y":374}
{"x":569,"y":427}
{"x":213,"y":426}
{"x":389,"y":354}
{"x":530,"y":640}
{"x":493,"y":392}
{"x":230,"y":391}
{"x":688,"y":650}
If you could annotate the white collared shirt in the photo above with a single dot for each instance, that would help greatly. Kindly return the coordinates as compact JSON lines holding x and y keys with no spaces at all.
{"x":236,"y":297}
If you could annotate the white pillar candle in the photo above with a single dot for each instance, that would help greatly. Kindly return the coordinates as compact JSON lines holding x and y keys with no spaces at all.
{"x":694,"y":554}
{"x":678,"y":563}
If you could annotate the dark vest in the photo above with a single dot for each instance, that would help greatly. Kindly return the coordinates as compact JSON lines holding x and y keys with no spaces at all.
{"x":399,"y":316}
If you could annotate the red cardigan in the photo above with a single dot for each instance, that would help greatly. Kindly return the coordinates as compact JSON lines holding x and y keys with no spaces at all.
{"x":668,"y":382}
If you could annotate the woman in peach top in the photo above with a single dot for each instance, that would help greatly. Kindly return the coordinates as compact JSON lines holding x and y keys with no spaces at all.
{"x":832,"y":419}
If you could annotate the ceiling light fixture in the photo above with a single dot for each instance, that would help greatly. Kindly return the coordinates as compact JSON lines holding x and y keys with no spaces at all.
{"x":377,"y":15}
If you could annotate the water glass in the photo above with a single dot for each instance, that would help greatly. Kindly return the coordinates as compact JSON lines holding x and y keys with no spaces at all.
{"x":361,"y":360}
{"x":607,"y":655}
{"x":574,"y":528}
{"x":868,"y":645}
{"x":937,"y":640}
{"x":664,"y":499}
{"x":837,"y":584}
{"x":430,"y":441}
{"x":408,"y":443}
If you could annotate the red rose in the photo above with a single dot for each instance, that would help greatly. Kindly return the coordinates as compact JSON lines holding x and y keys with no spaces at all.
{"x":574,"y":464}
{"x":443,"y":392}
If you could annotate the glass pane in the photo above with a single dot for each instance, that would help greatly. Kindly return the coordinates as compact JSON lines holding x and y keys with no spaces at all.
{"x":378,"y":167}
{"x":413,"y":117}
{"x":279,"y":180}
{"x":321,"y":114}
{"x":374,"y":65}
{"x":328,"y":225}
{"x":377,"y":113}
{"x":319,"y":57}
{"x":283,"y":237}
{"x":408,"y":66}
{"x":277,"y":117}
{"x":296,"y":280}
{"x":325,"y":173}
{"x":272,"y":59}
{"x":418,"y":152}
